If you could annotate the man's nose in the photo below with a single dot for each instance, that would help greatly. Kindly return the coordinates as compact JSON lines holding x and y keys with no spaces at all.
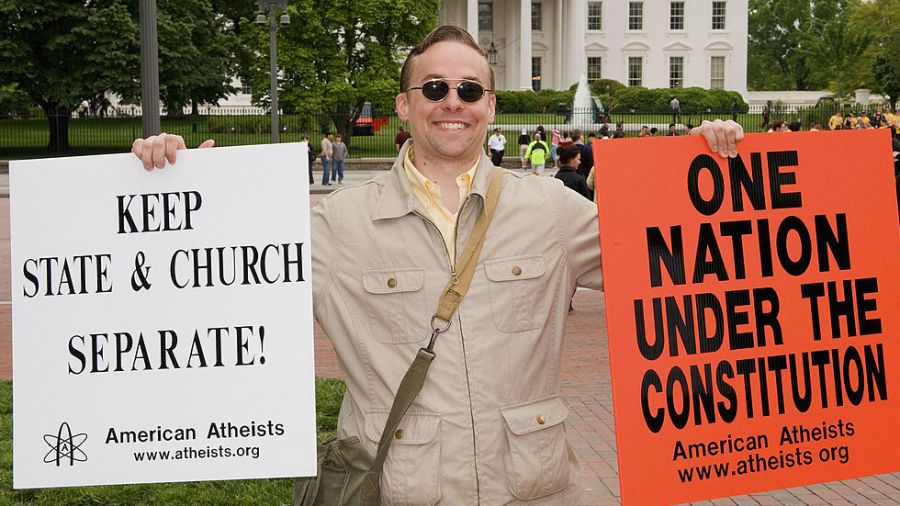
{"x":452,"y":102}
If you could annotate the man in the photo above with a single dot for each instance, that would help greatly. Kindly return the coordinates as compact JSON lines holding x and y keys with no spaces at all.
{"x":497,"y":144}
{"x":325,"y":155}
{"x":339,"y":154}
{"x":523,"y":147}
{"x":401,"y":137}
{"x":835,"y":121}
{"x":675,"y":105}
{"x":537,"y":154}
{"x":766,"y":115}
{"x":586,"y":161}
{"x":673,"y":132}
{"x":487,"y":427}
{"x":311,"y":157}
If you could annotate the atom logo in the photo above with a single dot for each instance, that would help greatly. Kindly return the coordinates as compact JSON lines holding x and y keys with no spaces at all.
{"x":65,"y":446}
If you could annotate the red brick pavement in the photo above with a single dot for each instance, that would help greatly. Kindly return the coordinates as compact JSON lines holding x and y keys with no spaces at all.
{"x":585,"y":388}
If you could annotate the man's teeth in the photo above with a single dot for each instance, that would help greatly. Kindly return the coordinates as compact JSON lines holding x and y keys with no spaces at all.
{"x":451,"y":126}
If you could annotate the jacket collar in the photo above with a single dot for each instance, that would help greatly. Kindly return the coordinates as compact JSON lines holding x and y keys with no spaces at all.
{"x":397,"y":198}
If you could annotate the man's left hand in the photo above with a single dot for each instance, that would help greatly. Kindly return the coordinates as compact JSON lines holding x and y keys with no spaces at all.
{"x":722,"y":136}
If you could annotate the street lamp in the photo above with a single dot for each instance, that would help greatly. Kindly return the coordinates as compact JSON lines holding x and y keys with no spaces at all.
{"x":273,"y":7}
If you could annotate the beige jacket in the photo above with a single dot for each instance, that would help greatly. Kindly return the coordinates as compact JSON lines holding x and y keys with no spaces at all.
{"x":488,"y":427}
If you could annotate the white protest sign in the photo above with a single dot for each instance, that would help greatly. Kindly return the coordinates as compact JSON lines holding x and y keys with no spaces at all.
{"x":162,"y":321}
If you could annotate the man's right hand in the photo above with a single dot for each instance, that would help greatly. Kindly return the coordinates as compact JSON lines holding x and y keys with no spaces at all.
{"x":155,"y":150}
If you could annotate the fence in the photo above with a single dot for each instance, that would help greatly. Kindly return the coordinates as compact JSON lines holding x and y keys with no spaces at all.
{"x":370,"y":137}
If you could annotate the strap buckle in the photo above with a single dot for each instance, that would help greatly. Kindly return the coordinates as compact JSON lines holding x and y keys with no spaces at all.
{"x":436,"y":328}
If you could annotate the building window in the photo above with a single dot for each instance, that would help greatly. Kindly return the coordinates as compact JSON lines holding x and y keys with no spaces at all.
{"x":485,"y":16}
{"x":245,"y":89}
{"x":635,"y":15}
{"x":595,"y":16}
{"x":676,"y":72}
{"x":718,"y":15}
{"x":635,"y":70}
{"x":536,"y":16}
{"x":676,"y":15}
{"x":717,"y":72}
{"x":593,"y":68}
{"x":536,"y":73}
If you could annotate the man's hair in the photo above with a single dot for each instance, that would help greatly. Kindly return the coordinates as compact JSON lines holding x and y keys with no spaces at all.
{"x":568,"y":153}
{"x":327,"y":133}
{"x":338,"y":136}
{"x":496,"y":129}
{"x":445,"y":33}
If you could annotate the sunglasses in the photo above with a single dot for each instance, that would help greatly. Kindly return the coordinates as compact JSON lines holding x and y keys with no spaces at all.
{"x":436,"y":90}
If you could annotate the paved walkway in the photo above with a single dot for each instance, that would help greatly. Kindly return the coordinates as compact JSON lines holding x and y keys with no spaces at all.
{"x":585,"y":388}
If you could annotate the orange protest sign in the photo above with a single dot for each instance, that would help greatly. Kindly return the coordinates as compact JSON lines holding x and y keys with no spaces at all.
{"x":752,"y":306}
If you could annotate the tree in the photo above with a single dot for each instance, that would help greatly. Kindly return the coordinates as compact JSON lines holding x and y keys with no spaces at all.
{"x":886,"y":67}
{"x":333,"y":58}
{"x":195,"y":54}
{"x":60,"y":52}
{"x":803,"y":45}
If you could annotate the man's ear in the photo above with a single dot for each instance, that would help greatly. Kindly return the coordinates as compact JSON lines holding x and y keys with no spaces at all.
{"x":402,"y":106}
{"x":492,"y":106}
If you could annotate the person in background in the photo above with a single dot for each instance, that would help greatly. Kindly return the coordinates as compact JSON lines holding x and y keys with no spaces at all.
{"x":523,"y":147}
{"x":619,"y":132}
{"x":401,"y":137}
{"x":835,"y":121}
{"x":497,"y":145}
{"x":645,"y":131}
{"x":325,"y":156}
{"x":672,"y":131}
{"x":569,"y":158}
{"x":311,"y":157}
{"x":337,"y":159}
{"x":554,"y":145}
{"x":537,"y":154}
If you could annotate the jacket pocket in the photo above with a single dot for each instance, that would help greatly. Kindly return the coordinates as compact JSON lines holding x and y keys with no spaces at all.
{"x":396,"y":310}
{"x":517,"y":289}
{"x":537,"y":463}
{"x":412,"y":474}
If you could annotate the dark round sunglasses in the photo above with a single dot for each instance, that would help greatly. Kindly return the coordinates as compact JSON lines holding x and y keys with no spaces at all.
{"x":436,"y":90}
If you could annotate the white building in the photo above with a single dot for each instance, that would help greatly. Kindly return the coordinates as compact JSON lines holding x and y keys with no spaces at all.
{"x":651,"y":43}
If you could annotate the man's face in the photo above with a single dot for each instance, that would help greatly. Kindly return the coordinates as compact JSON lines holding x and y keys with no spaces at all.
{"x":450,"y":130}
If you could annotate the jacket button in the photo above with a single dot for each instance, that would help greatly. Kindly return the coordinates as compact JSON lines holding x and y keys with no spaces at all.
{"x":392,"y":283}
{"x":399,"y":434}
{"x":540,"y":420}
{"x":517,"y":270}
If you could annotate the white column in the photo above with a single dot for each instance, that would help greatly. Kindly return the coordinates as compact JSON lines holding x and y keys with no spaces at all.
{"x":558,"y":42}
{"x":525,"y":45}
{"x":576,"y":62}
{"x":472,"y":18}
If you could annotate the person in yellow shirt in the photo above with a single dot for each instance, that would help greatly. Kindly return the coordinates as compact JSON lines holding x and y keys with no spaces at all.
{"x":835,"y":121}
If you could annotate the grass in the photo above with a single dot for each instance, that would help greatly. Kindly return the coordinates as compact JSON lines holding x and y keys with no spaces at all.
{"x":28,"y":138}
{"x":329,"y":393}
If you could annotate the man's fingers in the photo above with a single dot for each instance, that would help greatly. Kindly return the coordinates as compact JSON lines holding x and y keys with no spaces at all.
{"x":159,"y":151}
{"x":173,"y":143}
{"x":208,"y":143}
{"x":709,"y":134}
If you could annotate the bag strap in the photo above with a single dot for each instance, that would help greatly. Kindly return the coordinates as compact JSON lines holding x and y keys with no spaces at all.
{"x":411,"y":385}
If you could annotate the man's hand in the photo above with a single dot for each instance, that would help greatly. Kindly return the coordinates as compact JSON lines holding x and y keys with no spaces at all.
{"x":722,"y":136}
{"x":155,"y":150}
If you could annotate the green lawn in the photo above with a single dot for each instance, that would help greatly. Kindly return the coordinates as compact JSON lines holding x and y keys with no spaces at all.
{"x":207,"y":493}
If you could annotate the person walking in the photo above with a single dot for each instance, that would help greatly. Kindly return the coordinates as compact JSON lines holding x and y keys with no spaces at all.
{"x":523,"y":147}
{"x":536,"y":154}
{"x":401,"y":137}
{"x":325,"y":156}
{"x":339,"y":154}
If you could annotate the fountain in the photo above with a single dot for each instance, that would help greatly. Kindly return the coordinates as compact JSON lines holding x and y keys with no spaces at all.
{"x":582,"y":106}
